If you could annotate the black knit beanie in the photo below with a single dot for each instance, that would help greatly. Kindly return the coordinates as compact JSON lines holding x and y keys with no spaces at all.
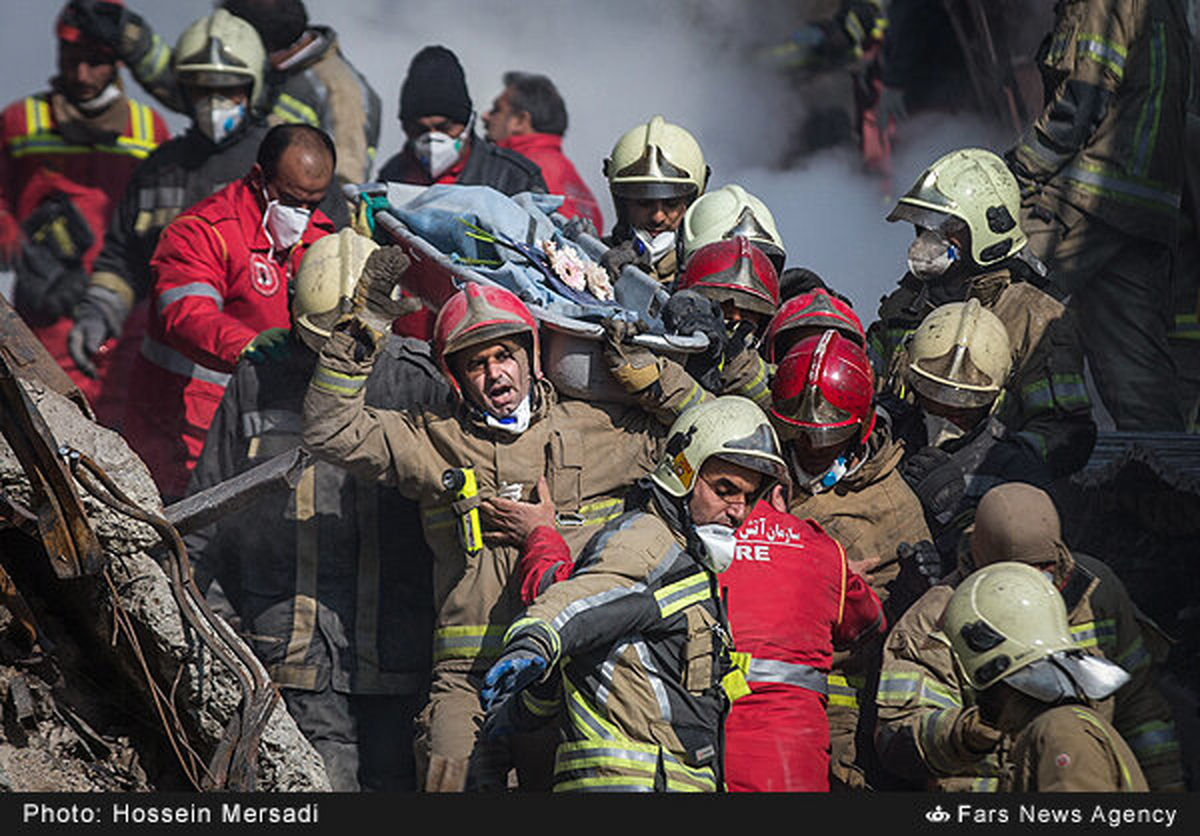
{"x":435,"y":86}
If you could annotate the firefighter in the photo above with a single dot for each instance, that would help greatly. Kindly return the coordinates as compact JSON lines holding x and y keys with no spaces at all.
{"x":442,"y":144}
{"x":1007,"y":628}
{"x":530,"y":118}
{"x":930,"y":724}
{"x":220,"y":146}
{"x":308,"y":81}
{"x":655,"y":171}
{"x":791,"y":601}
{"x":507,"y":430}
{"x":729,"y":212}
{"x":342,"y":626}
{"x":1101,"y":173}
{"x":222,"y":274}
{"x":968,"y":242}
{"x":65,"y":157}
{"x":845,"y":472}
{"x":639,"y":629}
{"x":728,"y":290}
{"x":809,"y":314}
{"x":955,"y":448}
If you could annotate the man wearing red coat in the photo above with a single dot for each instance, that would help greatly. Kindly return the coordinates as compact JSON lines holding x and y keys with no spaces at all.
{"x":65,"y":157}
{"x":529,"y":117}
{"x":221,"y":277}
{"x":791,"y":600}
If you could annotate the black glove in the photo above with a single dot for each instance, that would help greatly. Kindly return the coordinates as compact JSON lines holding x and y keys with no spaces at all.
{"x":937,"y":480}
{"x":617,"y":258}
{"x":688,"y":312}
{"x":99,"y":316}
{"x":102,"y":21}
{"x":579,"y":225}
{"x":924,"y":559}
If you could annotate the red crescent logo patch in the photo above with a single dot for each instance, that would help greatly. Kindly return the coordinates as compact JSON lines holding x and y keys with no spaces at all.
{"x":263,"y":276}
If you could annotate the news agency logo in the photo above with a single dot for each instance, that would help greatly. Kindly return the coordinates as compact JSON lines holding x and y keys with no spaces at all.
{"x":937,"y":815}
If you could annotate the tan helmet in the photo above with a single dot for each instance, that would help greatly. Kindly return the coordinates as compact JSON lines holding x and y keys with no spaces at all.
{"x":731,"y":428}
{"x":1017,"y":522}
{"x":976,"y":187}
{"x":656,"y":160}
{"x":959,"y":356}
{"x":327,"y":275}
{"x":729,"y":212}
{"x":221,"y":50}
{"x":1002,"y":618}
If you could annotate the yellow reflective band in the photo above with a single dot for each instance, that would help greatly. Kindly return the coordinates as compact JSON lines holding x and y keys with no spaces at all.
{"x":467,"y":642}
{"x":841,"y":692}
{"x":682,"y":594}
{"x":291,"y":109}
{"x":539,"y":707}
{"x":338,"y":383}
{"x":538,"y":628}
{"x":735,"y":685}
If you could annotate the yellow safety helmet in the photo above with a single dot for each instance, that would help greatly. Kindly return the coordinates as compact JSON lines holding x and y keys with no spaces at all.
{"x":222,"y":50}
{"x":656,"y":160}
{"x":975,"y":186}
{"x":959,"y":355}
{"x":327,"y":275}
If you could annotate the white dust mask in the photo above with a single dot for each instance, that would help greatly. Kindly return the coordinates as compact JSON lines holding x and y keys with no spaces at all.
{"x":658,"y":245}
{"x":438,"y":152}
{"x":930,"y":255}
{"x":284,"y":225}
{"x":719,"y":543}
{"x":218,"y":117}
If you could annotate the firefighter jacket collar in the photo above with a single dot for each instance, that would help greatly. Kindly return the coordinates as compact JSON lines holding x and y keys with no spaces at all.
{"x":88,"y":129}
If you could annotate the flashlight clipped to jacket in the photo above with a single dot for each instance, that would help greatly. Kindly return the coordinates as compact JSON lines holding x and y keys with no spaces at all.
{"x":461,"y":480}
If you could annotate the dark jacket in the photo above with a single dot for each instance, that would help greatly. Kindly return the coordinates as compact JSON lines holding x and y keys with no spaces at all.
{"x":487,"y":165}
{"x":332,"y":579}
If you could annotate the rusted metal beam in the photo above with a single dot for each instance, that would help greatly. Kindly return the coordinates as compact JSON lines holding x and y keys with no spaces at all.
{"x":62,"y":523}
{"x":207,"y":506}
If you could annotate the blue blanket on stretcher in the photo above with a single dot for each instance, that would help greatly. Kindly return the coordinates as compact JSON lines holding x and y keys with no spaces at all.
{"x":498,"y":237}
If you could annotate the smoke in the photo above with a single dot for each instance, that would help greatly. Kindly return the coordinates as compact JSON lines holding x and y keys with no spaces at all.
{"x":617,"y":63}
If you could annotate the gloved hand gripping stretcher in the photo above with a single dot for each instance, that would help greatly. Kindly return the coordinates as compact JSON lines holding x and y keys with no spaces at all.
{"x":455,"y":234}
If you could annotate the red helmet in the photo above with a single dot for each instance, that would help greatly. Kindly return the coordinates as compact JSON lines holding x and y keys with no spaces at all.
{"x":817,"y":309}
{"x":68,"y":28}
{"x":480,"y":314}
{"x":824,"y":388}
{"x":733,"y":270}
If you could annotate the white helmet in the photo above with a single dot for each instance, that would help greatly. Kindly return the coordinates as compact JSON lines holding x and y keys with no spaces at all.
{"x":656,"y":160}
{"x":327,"y":275}
{"x":1008,"y":622}
{"x":959,"y":356}
{"x":731,"y":428}
{"x":729,"y":212}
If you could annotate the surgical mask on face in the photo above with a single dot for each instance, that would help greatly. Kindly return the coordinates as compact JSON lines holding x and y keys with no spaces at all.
{"x":719,"y":543}
{"x":930,"y":255}
{"x":438,"y":152}
{"x":284,"y":225}
{"x":517,"y":422}
{"x":218,"y":117}
{"x":658,"y":245}
{"x":101,"y":100}
{"x":940,"y":430}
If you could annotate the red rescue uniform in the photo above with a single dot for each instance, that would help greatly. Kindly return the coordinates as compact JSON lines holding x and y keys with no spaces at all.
{"x":49,"y":147}
{"x":216,"y":285}
{"x":791,"y":598}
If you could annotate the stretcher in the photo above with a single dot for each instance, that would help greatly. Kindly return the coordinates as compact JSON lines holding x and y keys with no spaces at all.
{"x":570,"y":321}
